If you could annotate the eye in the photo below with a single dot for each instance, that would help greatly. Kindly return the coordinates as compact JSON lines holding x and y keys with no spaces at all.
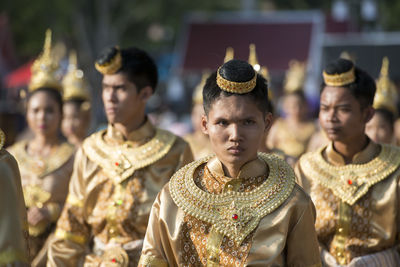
{"x":222,"y":122}
{"x":249,"y":122}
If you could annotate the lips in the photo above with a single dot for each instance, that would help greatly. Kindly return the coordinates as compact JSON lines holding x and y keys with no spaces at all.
{"x":235,"y":149}
{"x":111,"y":110}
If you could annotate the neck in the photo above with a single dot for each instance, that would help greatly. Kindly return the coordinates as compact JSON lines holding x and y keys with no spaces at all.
{"x":75,"y":140}
{"x":349,"y":148}
{"x":231,"y":170}
{"x":133,"y":125}
{"x":41,"y":145}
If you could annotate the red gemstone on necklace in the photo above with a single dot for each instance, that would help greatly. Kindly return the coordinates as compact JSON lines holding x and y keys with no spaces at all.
{"x":350,"y":182}
{"x":114,"y":260}
{"x":116,"y":163}
{"x":235,"y":216}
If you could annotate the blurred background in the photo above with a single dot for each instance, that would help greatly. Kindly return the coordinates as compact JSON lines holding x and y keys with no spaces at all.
{"x":187,"y":38}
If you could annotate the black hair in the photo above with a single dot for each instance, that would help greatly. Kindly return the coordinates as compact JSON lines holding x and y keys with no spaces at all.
{"x":363,"y":88}
{"x":53,"y":93}
{"x":387,"y":115}
{"x":236,"y":71}
{"x":136,"y":64}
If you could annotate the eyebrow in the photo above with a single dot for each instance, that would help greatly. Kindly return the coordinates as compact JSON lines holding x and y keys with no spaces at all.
{"x":113,"y":86}
{"x":338,"y":105}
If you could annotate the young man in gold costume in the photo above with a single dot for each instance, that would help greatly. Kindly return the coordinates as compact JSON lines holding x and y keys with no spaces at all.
{"x":118,"y":171}
{"x":353,"y":182}
{"x":13,"y":223}
{"x":236,"y":208}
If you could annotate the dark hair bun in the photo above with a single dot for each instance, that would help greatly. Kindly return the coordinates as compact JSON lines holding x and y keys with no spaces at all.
{"x":338,"y":66}
{"x":237,"y":71}
{"x":107,"y":55}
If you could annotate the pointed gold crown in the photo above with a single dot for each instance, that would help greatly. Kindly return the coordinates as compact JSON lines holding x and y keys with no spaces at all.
{"x":229,"y":54}
{"x":254,"y":62}
{"x":295,"y":76}
{"x":44,"y":69}
{"x":198,"y":91}
{"x":74,"y":84}
{"x":348,"y":56}
{"x":386,"y":93}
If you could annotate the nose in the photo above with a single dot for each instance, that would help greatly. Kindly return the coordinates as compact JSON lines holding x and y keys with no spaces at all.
{"x":331,"y":115}
{"x":234,"y":133}
{"x":110,"y":95}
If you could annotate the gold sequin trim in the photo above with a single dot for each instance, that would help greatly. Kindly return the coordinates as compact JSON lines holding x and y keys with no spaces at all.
{"x":79,"y":239}
{"x":236,"y":87}
{"x":362,"y":176}
{"x":339,"y":79}
{"x":218,"y":209}
{"x":2,"y":139}
{"x":120,"y":161}
{"x":41,"y":166}
{"x":151,"y":261}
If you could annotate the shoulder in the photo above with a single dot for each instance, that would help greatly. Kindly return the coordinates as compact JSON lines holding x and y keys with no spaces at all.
{"x":17,"y":148}
{"x":8,"y":167}
{"x":90,"y":141}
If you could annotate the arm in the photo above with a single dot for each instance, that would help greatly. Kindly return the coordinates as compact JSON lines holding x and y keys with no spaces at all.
{"x":13,"y":224}
{"x":153,"y":252}
{"x":302,"y":242}
{"x":72,"y":233}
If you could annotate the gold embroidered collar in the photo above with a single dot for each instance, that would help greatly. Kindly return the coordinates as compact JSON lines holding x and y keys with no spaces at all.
{"x":364,"y":156}
{"x":41,"y":166}
{"x":120,"y":161}
{"x":233,"y":214}
{"x":352,"y":181}
{"x":135,"y":138}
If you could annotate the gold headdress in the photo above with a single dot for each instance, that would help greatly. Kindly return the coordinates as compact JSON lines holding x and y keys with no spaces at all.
{"x":44,"y":69}
{"x":198,"y":91}
{"x":254,"y":62}
{"x":229,"y":54}
{"x":295,"y":76}
{"x":339,"y":79}
{"x":348,"y":56}
{"x":112,"y":65}
{"x":75,"y":86}
{"x":386,"y":93}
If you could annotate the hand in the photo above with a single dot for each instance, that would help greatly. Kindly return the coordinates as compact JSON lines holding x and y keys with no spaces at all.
{"x":37,"y":215}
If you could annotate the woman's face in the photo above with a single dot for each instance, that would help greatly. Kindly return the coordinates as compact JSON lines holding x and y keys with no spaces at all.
{"x":75,"y":121}
{"x":43,"y":114}
{"x":379,"y":129}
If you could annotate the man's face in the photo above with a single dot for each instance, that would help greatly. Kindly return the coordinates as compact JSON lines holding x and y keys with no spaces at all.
{"x":121,"y":99}
{"x":236,"y":127}
{"x":341,"y":115}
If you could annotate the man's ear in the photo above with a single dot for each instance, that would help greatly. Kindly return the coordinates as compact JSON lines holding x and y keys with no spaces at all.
{"x":204,"y":124}
{"x":145,"y":93}
{"x":368,"y":113}
{"x":269,"y":119}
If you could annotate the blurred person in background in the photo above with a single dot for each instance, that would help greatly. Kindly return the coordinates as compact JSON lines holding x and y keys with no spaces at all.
{"x":76,"y":108}
{"x":292,"y":133}
{"x":118,"y":171}
{"x":381,"y":127}
{"x":198,"y":141}
{"x":46,"y":160}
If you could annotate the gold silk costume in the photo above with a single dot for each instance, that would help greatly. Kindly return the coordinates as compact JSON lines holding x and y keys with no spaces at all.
{"x":112,"y":188}
{"x":292,"y":143}
{"x":45,"y":184}
{"x":203,"y":218}
{"x":357,"y":204}
{"x":13,"y":223}
{"x":200,"y":144}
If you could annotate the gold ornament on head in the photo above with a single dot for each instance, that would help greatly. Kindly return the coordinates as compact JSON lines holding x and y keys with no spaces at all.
{"x":198,"y":91}
{"x":236,"y":87}
{"x":339,"y":79}
{"x":2,"y":139}
{"x":295,"y":76}
{"x":386,"y":92}
{"x":229,"y":54}
{"x":74,"y":84}
{"x":44,"y":69}
{"x":348,"y":56}
{"x":254,"y":62}
{"x":112,"y":65}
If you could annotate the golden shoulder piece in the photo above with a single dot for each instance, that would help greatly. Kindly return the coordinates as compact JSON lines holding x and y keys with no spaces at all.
{"x":339,"y":79}
{"x":386,"y":93}
{"x":254,"y":62}
{"x":44,"y":69}
{"x":198,"y":91}
{"x":74,"y":84}
{"x":228,"y":54}
{"x":236,"y":87}
{"x":295,"y":76}
{"x":112,"y":65}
